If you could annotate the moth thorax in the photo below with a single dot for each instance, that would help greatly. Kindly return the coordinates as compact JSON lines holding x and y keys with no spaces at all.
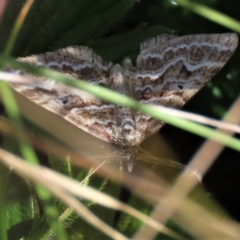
{"x":127,"y":129}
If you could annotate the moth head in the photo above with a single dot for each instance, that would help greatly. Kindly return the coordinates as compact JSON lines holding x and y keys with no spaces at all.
{"x":128,"y":157}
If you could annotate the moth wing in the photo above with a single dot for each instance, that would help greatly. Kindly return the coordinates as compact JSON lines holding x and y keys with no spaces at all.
{"x":170,"y":70}
{"x":83,"y":110}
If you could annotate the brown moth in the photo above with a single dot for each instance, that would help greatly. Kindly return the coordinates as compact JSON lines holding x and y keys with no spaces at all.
{"x":168,"y":72}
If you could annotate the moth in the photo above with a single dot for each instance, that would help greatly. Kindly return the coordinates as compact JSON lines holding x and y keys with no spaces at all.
{"x":169,"y":71}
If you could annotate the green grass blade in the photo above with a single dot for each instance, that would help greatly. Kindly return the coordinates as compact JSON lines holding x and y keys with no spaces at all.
{"x":211,"y":14}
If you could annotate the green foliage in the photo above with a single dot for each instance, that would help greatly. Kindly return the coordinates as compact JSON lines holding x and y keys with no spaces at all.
{"x":21,"y":207}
